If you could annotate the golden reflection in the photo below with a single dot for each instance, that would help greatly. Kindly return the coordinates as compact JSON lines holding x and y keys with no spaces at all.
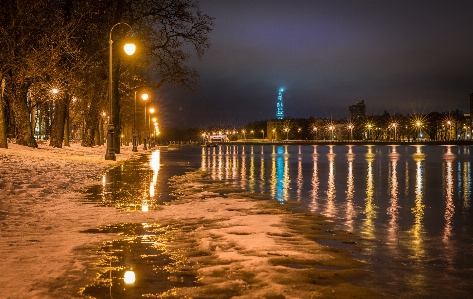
{"x":350,"y":213}
{"x":331,"y":191}
{"x":466,"y":182}
{"x":203,"y":160}
{"x":370,"y":208}
{"x":417,"y":230}
{"x":155,"y":164}
{"x":449,"y":157}
{"x":243,"y":169}
{"x":313,"y":206}
{"x":300,"y":179}
{"x":286,"y":178}
{"x":228,"y":163}
{"x":393,"y":188}
{"x":262,"y":178}
{"x":252,"y":180}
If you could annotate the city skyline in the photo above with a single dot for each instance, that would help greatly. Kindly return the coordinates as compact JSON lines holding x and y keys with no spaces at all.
{"x":402,"y":57}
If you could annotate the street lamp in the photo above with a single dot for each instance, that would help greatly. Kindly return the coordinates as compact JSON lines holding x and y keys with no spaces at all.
{"x":262,"y":131}
{"x":315,"y":133}
{"x":151,"y":111}
{"x":369,"y":131}
{"x":145,"y":98}
{"x":449,"y":123}
{"x":418,"y":125}
{"x":331,"y":129}
{"x":394,"y":125}
{"x":350,"y":126}
{"x":287,"y":133}
{"x":300,"y":136}
{"x":129,"y":49}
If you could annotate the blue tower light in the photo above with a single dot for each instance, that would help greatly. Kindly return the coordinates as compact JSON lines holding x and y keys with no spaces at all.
{"x":279,"y":106}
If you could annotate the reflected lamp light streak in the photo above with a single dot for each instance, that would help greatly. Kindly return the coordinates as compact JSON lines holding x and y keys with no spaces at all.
{"x":370,"y":213}
{"x":331,"y":191}
{"x":315,"y":184}
{"x":466,"y":185}
{"x":350,"y":212}
{"x":449,"y":205}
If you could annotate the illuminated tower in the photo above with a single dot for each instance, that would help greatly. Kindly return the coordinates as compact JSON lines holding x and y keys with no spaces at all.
{"x":280,"y":109}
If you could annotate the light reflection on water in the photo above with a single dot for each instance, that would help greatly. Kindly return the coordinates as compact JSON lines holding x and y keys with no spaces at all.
{"x":411,"y":204}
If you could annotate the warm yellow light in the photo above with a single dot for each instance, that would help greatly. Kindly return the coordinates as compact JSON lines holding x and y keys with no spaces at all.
{"x":154,"y":119}
{"x":144,"y":96}
{"x":418,"y":123}
{"x":55,"y":90}
{"x":129,"y":277}
{"x":144,"y":208}
{"x":130,"y":49}
{"x":151,"y":110}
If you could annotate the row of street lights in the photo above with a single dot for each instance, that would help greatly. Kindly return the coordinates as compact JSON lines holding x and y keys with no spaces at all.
{"x":129,"y":49}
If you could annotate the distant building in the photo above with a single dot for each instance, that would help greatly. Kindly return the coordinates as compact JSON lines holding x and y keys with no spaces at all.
{"x":358,"y":110}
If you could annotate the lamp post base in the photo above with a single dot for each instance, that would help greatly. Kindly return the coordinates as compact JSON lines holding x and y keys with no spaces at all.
{"x":110,"y":153}
{"x":144,"y":145}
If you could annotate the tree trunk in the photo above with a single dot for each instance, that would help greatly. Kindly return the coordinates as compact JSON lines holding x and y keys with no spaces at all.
{"x":3,"y":125}
{"x":22,"y":120}
{"x":67,"y":123}
{"x":90,"y":127}
{"x":57,"y":125}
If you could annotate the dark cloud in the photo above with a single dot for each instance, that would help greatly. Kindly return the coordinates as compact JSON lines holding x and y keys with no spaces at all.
{"x":395,"y":55}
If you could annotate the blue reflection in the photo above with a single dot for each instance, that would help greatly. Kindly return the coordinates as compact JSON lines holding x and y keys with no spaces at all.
{"x":280,"y":170}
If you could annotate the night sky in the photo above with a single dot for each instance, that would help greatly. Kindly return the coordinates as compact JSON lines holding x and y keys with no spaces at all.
{"x":399,"y":56}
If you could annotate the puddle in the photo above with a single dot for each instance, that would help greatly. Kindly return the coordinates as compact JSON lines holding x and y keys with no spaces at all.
{"x":145,"y":250}
{"x":141,"y":183}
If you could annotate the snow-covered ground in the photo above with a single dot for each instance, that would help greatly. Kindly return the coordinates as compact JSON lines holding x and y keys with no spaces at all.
{"x":258,"y":250}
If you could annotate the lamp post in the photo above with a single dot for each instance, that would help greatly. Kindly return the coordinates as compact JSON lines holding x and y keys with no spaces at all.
{"x":145,"y":98}
{"x":331,"y":129}
{"x":394,"y":125}
{"x":287,"y":133}
{"x":129,"y":49}
{"x":350,"y":126}
{"x":262,"y":131}
{"x":151,"y":111}
{"x":369,"y":131}
{"x":449,"y":123}
{"x":315,"y":133}
{"x":134,"y":148}
{"x":418,"y":125}
{"x":300,"y":135}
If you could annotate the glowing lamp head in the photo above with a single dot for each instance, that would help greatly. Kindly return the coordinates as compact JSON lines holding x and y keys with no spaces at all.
{"x":129,"y":49}
{"x":144,"y":96}
{"x":129,"y":277}
{"x":55,"y":90}
{"x":151,"y":110}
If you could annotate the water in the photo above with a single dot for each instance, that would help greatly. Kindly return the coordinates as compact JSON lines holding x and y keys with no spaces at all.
{"x":410,"y":204}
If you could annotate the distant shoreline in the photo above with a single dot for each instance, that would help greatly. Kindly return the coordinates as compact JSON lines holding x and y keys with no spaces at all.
{"x":348,"y":142}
